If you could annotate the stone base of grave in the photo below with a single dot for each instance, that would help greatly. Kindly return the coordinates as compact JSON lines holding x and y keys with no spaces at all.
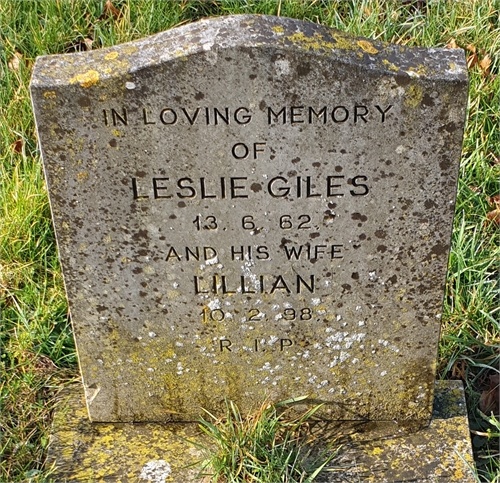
{"x":84,"y":452}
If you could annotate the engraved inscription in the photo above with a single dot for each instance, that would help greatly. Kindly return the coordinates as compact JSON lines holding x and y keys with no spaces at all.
{"x":222,"y":188}
{"x":224,"y":116}
{"x":257,"y":284}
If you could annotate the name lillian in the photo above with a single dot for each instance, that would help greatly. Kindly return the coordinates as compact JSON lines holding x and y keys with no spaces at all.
{"x":261,"y":284}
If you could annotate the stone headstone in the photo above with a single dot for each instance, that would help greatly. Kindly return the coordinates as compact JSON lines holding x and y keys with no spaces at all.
{"x":251,"y":207}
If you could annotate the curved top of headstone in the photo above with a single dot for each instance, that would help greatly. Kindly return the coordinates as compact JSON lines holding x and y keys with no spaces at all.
{"x":248,"y":31}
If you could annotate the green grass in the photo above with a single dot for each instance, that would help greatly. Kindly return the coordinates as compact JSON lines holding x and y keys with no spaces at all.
{"x":38,"y":355}
{"x":268,"y":446}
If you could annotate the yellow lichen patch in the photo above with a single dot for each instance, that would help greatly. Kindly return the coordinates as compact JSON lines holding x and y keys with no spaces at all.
{"x":111,"y":56}
{"x":375,"y":451}
{"x":82,"y":176}
{"x":128,"y":49}
{"x":345,"y":43}
{"x":390,"y":66}
{"x":86,"y":79}
{"x":310,"y":43}
{"x":414,"y":96}
{"x":419,"y":70}
{"x":367,"y":46}
{"x":117,"y":133}
{"x":278,"y":29}
{"x":49,"y":95}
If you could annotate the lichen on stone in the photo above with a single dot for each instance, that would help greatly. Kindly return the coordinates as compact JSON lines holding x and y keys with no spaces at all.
{"x":86,"y":79}
{"x":367,"y":46}
{"x":310,"y":43}
{"x":413,"y":96}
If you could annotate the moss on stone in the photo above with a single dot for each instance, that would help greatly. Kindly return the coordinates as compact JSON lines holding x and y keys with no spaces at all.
{"x":413,"y":96}
{"x":84,"y":452}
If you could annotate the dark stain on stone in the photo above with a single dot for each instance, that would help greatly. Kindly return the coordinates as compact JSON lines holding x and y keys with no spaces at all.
{"x":427,"y":100}
{"x":359,"y":216}
{"x":381,"y":248}
{"x":181,"y":204}
{"x":450,"y":127}
{"x":316,"y":165}
{"x":445,"y":163}
{"x":303,"y":69}
{"x":439,"y":249}
{"x":199,"y":96}
{"x":355,"y":276}
{"x":284,"y":241}
{"x":84,"y":102}
{"x":295,"y":160}
{"x":402,"y":80}
{"x":328,"y":215}
{"x":141,"y":234}
{"x":256,"y":187}
{"x":113,"y":143}
{"x":430,"y":204}
{"x":262,"y":105}
{"x":380,"y":234}
{"x":314,"y":235}
{"x":172,"y":217}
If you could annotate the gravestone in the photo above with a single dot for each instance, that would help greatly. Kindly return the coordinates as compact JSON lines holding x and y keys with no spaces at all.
{"x":253,"y":207}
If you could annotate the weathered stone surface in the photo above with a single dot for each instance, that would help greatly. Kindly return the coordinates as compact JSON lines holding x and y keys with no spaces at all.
{"x":252,"y":207}
{"x":160,"y":453}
